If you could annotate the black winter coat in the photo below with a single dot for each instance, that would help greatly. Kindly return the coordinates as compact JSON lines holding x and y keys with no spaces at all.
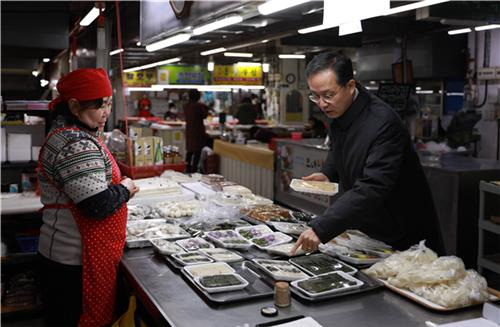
{"x":383,"y":189}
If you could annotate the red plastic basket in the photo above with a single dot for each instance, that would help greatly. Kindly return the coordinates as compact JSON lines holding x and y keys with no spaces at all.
{"x":149,"y":171}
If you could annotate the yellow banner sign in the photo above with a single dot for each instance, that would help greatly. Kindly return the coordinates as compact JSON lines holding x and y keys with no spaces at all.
{"x":140,"y":78}
{"x":237,"y":75}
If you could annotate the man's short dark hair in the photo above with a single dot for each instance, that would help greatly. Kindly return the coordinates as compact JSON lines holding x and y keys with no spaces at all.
{"x":194,"y":95}
{"x":338,"y":63}
{"x":246,"y":100}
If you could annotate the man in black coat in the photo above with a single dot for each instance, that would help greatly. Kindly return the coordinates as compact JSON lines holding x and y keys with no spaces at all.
{"x":383,"y":189}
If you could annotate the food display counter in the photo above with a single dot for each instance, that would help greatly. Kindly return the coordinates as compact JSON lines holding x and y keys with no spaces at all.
{"x":171,"y":301}
{"x":295,"y":159}
{"x":247,"y":165}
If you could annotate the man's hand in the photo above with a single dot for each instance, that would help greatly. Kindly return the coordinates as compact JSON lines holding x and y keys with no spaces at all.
{"x":130,"y":185}
{"x":308,"y":240}
{"x":317,"y":177}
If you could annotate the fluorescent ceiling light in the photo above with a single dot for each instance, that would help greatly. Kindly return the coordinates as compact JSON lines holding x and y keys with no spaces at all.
{"x":44,"y":82}
{"x":458,"y":94}
{"x":46,"y":59}
{"x":416,"y":5}
{"x":215,"y":25}
{"x":248,"y":64}
{"x":425,"y":92}
{"x":265,"y":67}
{"x":273,"y":6}
{"x":291,"y":56}
{"x":487,"y":27}
{"x":350,"y":28}
{"x":316,"y":28}
{"x":158,"y":63}
{"x":168,"y":42}
{"x":112,"y":53}
{"x":264,"y":41}
{"x":459,"y":31}
{"x":209,"y":52}
{"x":238,"y":54}
{"x":90,"y":17}
{"x":35,"y":73}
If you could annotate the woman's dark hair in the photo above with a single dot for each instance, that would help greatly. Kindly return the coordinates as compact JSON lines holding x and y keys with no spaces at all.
{"x":62,"y":109}
{"x":246,"y":100}
{"x":194,"y":95}
{"x":338,"y":63}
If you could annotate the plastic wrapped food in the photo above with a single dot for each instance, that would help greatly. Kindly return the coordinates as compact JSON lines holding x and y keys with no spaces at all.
{"x":442,"y":270}
{"x":469,"y":290}
{"x":415,"y":256}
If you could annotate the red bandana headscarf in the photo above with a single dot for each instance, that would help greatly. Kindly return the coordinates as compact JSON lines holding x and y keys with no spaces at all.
{"x":83,"y":84}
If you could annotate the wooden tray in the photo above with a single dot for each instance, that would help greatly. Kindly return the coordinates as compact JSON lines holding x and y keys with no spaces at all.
{"x":494,"y":296}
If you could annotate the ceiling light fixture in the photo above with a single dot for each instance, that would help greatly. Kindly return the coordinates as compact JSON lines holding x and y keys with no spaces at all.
{"x":44,"y":82}
{"x":117,"y":51}
{"x":238,"y":54}
{"x":291,"y":56}
{"x":273,"y":6}
{"x":316,"y":28}
{"x":350,"y":28}
{"x":90,"y":17}
{"x":209,"y":52}
{"x":459,"y":31}
{"x":35,"y":73}
{"x":158,"y":63}
{"x":46,"y":59}
{"x":416,"y":5}
{"x":487,"y":27}
{"x":215,"y":25}
{"x":168,"y":42}
{"x":265,"y":67}
{"x":211,"y":64}
{"x":138,"y":43}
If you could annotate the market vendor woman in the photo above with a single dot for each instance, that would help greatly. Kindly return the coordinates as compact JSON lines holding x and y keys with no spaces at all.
{"x":383,"y":189}
{"x":85,"y":211}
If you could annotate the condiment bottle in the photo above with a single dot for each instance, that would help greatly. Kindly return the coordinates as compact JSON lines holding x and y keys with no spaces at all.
{"x":281,"y":294}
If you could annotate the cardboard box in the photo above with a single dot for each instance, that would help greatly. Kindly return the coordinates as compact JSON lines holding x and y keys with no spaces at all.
{"x":18,"y":147}
{"x":148,"y":150}
{"x":158,"y":150}
{"x":139,"y":152}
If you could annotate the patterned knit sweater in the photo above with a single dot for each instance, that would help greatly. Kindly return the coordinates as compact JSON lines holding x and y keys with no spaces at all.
{"x":77,"y":163}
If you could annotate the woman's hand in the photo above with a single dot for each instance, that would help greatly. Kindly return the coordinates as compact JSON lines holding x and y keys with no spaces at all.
{"x":131,"y":187}
{"x":318,"y":177}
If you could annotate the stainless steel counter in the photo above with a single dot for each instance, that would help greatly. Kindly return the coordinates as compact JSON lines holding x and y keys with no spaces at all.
{"x":172,"y":301}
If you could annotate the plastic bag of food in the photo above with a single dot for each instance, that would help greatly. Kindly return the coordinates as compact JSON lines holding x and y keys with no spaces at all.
{"x":117,"y":141}
{"x":442,"y":270}
{"x":470,"y":289}
{"x":213,"y":217}
{"x":414,"y":257}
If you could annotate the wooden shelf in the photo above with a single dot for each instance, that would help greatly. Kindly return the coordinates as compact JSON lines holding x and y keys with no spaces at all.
{"x":21,"y":309}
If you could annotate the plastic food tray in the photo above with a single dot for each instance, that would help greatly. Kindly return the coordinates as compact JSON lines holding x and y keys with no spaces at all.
{"x":279,"y":238}
{"x":358,"y":284}
{"x":289,"y":228}
{"x":256,"y":231}
{"x":208,"y":269}
{"x":257,"y":287}
{"x":299,"y":185}
{"x":192,"y":244}
{"x":284,"y":250}
{"x":222,"y":255}
{"x":220,"y":289}
{"x":180,"y":259}
{"x":299,"y":262}
{"x":279,"y":264}
{"x":171,"y":248}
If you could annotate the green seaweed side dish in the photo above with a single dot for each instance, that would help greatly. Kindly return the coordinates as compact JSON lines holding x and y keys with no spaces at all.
{"x":219,"y":281}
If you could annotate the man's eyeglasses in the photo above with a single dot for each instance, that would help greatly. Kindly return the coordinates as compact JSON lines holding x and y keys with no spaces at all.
{"x":327,"y":98}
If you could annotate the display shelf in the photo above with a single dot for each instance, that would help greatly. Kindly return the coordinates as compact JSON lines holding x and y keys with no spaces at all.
{"x":488,"y":261}
{"x":489,"y":187}
{"x":491,"y":262}
{"x":489,"y":226}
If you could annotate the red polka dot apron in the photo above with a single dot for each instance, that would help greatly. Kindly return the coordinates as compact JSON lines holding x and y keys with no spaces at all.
{"x":102,"y":247}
